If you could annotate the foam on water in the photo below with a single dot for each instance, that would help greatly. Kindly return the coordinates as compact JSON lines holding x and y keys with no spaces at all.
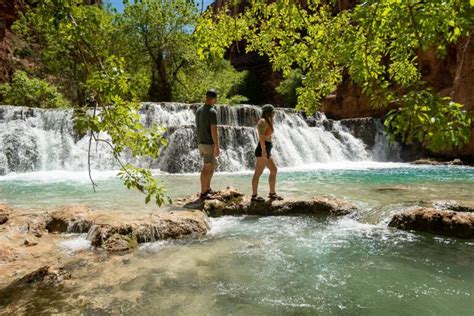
{"x":55,"y":176}
{"x":155,"y":246}
{"x":223,"y":224}
{"x":76,"y":244}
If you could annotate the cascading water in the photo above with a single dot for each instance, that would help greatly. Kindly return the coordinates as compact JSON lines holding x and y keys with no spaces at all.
{"x":39,"y":139}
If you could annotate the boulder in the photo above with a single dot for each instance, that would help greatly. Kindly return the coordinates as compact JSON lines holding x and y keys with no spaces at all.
{"x":435,"y":162}
{"x":47,"y":275}
{"x":436,"y":221}
{"x":178,"y":225}
{"x":4,"y":213}
{"x":232,"y":202}
{"x":29,"y":242}
{"x":70,"y":219}
{"x":119,"y":243}
{"x":120,"y":231}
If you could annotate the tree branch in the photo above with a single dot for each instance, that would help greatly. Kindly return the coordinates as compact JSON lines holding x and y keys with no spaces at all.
{"x":412,"y":16}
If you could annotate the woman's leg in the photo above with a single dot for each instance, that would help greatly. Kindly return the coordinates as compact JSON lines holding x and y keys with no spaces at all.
{"x":259,"y":167}
{"x":273,"y":174}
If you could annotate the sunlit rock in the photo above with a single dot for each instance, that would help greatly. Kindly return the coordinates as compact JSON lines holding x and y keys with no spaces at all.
{"x":119,"y":231}
{"x":436,"y":221}
{"x":232,"y":202}
{"x":4,"y":213}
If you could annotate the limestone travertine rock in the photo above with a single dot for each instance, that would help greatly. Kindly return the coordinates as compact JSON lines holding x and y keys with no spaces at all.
{"x":232,"y":202}
{"x":436,"y":221}
{"x":4,"y":213}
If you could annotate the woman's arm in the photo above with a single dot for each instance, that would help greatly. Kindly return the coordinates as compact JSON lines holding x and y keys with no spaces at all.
{"x":261,"y":127}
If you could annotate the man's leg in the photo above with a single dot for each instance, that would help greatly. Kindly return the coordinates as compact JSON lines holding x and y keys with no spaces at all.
{"x":206,"y":174}
{"x":211,"y":174}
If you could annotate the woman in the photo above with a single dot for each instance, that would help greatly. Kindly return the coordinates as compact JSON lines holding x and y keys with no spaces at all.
{"x":263,"y":152}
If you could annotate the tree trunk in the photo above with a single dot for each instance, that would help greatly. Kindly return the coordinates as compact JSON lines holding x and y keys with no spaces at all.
{"x":160,"y":88}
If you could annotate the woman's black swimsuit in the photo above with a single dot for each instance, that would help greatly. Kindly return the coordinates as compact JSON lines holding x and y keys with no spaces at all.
{"x":268,"y":147}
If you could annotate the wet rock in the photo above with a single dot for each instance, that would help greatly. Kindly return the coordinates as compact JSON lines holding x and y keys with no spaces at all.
{"x":436,"y":221}
{"x":176,"y":225}
{"x":232,"y":202}
{"x":30,"y":243}
{"x":71,"y":219}
{"x":395,"y":188}
{"x":364,"y":128}
{"x":3,"y":218}
{"x":46,"y":276}
{"x":4,"y":213}
{"x":450,"y":205}
{"x":119,"y":243}
{"x":120,"y":231}
{"x":434,"y":162}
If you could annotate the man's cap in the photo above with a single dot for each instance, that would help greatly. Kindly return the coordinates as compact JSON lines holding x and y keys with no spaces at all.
{"x":268,"y":108}
{"x":211,"y":93}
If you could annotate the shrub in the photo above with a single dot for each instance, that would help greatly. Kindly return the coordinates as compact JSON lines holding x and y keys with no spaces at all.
{"x":32,"y":92}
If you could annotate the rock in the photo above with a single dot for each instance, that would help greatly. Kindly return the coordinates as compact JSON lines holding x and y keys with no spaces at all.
{"x":435,"y":221}
{"x":119,"y":231}
{"x":434,"y":162}
{"x":3,"y":218}
{"x":4,"y":213}
{"x":448,"y":205}
{"x":47,"y":275}
{"x":119,"y":243}
{"x":178,"y":225}
{"x":395,"y":188}
{"x":232,"y":202}
{"x":29,"y":243}
{"x":72,"y":219}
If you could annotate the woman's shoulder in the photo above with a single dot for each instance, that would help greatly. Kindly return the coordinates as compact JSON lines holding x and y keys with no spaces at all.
{"x":262,"y":122}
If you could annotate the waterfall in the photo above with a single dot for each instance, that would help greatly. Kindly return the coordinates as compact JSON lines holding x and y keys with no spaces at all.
{"x":44,"y":139}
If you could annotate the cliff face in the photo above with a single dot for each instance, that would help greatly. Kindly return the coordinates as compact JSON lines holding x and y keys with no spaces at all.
{"x":9,"y":12}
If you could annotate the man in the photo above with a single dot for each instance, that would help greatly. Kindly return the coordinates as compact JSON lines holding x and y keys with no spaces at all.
{"x":208,"y":141}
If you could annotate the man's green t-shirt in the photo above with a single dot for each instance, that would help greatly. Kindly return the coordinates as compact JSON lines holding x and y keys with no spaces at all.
{"x":206,"y":116}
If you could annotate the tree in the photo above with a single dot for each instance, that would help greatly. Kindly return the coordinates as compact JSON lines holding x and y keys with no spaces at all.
{"x":157,"y":33}
{"x":375,"y":42}
{"x":58,"y":31}
{"x":67,"y":29}
{"x":155,"y":38}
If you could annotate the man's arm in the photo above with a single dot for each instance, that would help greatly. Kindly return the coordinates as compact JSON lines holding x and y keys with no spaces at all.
{"x":215,"y":133}
{"x":215,"y":138}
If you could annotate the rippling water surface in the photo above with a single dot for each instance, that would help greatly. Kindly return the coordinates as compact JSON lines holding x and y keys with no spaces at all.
{"x":273,"y":265}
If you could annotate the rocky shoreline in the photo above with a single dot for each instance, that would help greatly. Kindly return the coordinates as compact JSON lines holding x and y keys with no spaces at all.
{"x":29,"y":251}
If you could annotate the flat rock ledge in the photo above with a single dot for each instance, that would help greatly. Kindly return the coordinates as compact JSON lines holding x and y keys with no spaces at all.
{"x":233,"y":202}
{"x":119,"y":231}
{"x":436,"y":221}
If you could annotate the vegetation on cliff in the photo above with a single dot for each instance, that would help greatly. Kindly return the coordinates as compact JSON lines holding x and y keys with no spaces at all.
{"x":374,"y":42}
{"x":34,"y":92}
